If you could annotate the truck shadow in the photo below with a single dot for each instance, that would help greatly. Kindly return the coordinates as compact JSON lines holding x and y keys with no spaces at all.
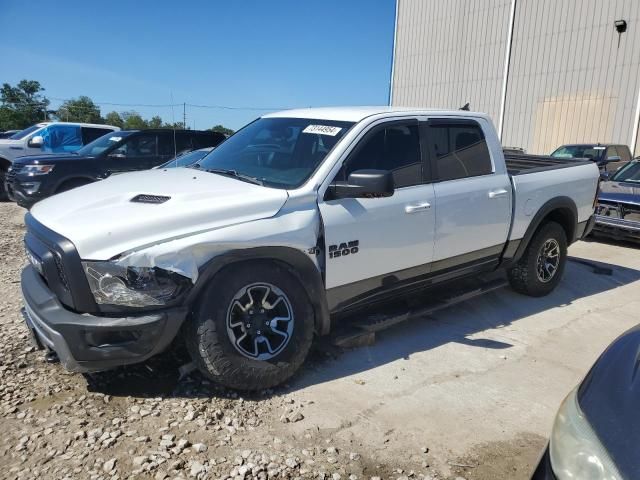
{"x":464,"y":323}
{"x":161,"y":376}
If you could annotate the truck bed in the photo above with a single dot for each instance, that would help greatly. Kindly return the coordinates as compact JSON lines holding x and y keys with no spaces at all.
{"x":521,"y":164}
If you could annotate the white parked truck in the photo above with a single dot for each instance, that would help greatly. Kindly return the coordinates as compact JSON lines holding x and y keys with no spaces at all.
{"x":296,"y":218}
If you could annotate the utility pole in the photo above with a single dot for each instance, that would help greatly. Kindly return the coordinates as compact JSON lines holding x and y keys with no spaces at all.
{"x":184,"y":115}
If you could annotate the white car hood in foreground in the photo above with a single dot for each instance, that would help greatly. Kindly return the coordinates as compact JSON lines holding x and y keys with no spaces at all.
{"x":102,"y":221}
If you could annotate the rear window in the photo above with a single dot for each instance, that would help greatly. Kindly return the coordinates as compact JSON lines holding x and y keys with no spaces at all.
{"x":460,"y":150}
{"x":592,"y":152}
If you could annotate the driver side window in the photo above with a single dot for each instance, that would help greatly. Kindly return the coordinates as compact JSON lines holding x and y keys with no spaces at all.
{"x":394,"y":148}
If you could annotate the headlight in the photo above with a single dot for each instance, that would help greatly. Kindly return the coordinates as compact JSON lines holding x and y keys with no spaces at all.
{"x":112,"y":284}
{"x":36,"y":169}
{"x":576,"y":452}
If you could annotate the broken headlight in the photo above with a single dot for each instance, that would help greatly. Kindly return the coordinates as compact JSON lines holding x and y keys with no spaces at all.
{"x":112,"y":284}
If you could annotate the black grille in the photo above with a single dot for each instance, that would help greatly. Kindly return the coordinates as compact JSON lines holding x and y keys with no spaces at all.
{"x":61,"y":275}
{"x":62,"y":266}
{"x":144,"y":198}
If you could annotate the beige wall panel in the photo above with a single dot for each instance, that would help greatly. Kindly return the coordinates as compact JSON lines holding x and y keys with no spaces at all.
{"x":571,"y":77}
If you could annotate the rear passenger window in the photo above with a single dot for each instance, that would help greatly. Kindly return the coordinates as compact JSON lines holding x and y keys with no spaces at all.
{"x":395,"y":148}
{"x":458,"y":150}
{"x":90,"y":134}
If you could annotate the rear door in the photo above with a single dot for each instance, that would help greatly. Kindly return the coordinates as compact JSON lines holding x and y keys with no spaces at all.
{"x":473,"y":195}
{"x":374,"y":243}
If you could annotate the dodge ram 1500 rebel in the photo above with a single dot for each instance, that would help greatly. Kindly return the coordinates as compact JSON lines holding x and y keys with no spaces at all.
{"x":297,"y":218}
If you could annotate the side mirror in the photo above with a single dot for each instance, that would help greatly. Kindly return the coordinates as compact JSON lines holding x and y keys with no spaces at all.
{"x":604,"y":176}
{"x":363,"y":184}
{"x":36,"y":142}
{"x":614,"y":158}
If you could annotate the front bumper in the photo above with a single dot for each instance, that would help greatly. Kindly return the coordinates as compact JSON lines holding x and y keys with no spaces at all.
{"x":18,"y":194}
{"x":618,"y":228}
{"x":543,"y":470}
{"x":88,"y":343}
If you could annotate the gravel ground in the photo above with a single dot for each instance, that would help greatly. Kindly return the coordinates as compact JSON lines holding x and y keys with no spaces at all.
{"x":437,"y":398}
{"x":149,"y":421}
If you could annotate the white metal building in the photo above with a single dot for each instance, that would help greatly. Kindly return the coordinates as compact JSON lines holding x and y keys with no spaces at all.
{"x":548,"y":71}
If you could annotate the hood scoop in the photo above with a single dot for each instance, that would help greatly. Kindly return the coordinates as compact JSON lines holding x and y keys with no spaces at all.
{"x":145,"y":198}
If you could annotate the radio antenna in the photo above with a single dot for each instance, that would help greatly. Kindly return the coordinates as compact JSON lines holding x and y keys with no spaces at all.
{"x":173,"y":125}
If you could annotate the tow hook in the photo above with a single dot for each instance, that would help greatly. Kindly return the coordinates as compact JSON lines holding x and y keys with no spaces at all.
{"x":51,"y":357}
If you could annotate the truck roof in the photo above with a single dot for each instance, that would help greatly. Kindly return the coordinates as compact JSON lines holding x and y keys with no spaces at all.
{"x":80,"y":124}
{"x":355,"y":114}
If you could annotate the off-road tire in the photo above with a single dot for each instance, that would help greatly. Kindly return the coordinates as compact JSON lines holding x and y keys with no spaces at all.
{"x":523,"y":277}
{"x":210,"y":345}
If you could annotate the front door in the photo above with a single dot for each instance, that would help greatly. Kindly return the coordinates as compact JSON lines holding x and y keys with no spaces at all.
{"x":374,"y":243}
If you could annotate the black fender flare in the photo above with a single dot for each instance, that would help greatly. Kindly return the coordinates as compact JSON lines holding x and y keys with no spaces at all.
{"x":561,"y":209}
{"x":297,"y":262}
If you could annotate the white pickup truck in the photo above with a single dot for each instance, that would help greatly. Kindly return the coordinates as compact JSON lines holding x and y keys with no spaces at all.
{"x":299,"y":216}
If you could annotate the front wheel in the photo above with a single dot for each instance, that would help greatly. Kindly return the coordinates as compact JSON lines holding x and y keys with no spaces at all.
{"x":252,"y":327}
{"x":541,"y":267}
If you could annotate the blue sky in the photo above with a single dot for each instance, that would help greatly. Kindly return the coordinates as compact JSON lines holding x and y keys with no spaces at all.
{"x":242,"y":53}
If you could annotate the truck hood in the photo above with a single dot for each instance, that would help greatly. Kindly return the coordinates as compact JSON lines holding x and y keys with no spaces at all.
{"x":46,"y":158}
{"x":619,"y":192}
{"x":103,"y":220}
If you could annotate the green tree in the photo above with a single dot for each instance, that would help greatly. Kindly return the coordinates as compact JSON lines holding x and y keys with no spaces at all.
{"x":114,"y":118}
{"x":81,"y":109}
{"x":222,"y":129}
{"x":133,"y":121}
{"x":174,"y":126}
{"x":22,"y":105}
{"x":155,"y":122}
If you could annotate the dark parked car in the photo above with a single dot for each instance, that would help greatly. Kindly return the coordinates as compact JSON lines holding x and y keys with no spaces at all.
{"x":608,"y":157}
{"x":596,"y":434}
{"x":8,"y":133}
{"x":33,"y":178}
{"x":187,"y":159}
{"x":618,"y":206}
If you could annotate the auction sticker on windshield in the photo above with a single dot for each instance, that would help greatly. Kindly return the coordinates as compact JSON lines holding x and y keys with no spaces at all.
{"x":322,"y":130}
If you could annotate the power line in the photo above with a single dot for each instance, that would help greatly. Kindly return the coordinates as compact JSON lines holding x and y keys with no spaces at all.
{"x":157,"y":105}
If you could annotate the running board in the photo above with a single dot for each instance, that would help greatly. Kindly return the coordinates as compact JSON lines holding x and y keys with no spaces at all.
{"x":362,"y":333}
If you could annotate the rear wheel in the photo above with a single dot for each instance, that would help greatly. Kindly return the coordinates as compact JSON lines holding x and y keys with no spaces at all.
{"x":541,"y":267}
{"x":252,"y":327}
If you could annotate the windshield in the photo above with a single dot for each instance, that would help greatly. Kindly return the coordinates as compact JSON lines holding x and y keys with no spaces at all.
{"x":187,"y":159}
{"x":593,"y":152}
{"x":279,"y":152}
{"x":103,"y":143}
{"x":629,"y":173}
{"x":23,"y":133}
